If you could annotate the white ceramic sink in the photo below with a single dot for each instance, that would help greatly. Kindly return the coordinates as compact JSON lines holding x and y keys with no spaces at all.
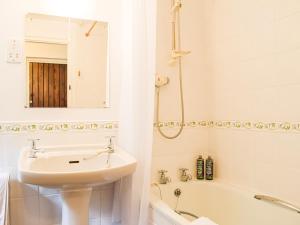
{"x":74,"y":166}
{"x":74,"y":170}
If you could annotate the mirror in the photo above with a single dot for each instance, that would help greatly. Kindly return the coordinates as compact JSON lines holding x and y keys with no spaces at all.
{"x":66,"y":61}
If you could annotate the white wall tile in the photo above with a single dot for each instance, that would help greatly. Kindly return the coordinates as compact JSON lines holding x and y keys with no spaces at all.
{"x":287,"y":68}
{"x":20,"y":190}
{"x":24,"y":211}
{"x":106,"y":206}
{"x":252,"y":53}
{"x":50,"y":209}
{"x":95,"y":205}
{"x":178,"y":153}
{"x":94,"y":222}
{"x":287,"y":34}
{"x":285,"y":8}
{"x":48,"y":191}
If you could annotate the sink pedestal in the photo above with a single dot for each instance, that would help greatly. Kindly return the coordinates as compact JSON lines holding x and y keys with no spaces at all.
{"x":74,"y":170}
{"x":75,"y":206}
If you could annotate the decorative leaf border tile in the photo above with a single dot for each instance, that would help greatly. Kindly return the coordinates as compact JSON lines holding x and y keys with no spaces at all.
{"x":23,"y":127}
{"x":226,"y":124}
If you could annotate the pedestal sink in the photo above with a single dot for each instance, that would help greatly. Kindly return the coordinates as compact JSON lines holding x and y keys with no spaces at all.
{"x":74,"y":170}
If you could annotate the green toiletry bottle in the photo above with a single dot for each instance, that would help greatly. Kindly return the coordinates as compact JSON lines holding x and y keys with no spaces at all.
{"x":200,"y":168}
{"x":209,"y":168}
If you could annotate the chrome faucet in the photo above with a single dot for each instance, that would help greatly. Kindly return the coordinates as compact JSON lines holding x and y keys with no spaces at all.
{"x":34,"y":150}
{"x":110,"y":147}
{"x":184,"y":177}
{"x":163,"y":179}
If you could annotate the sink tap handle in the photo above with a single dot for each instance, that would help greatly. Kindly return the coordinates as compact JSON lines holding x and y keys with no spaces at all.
{"x":110,"y":139}
{"x":33,"y":143}
{"x":110,"y":144}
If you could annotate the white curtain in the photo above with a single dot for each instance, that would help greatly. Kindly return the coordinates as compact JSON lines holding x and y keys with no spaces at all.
{"x":137,"y":107}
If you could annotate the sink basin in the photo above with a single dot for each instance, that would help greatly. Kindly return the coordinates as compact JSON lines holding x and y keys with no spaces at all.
{"x":74,"y":170}
{"x":74,"y":166}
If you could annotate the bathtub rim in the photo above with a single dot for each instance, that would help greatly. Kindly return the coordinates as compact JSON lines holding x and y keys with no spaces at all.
{"x":241,"y":190}
{"x":162,"y":208}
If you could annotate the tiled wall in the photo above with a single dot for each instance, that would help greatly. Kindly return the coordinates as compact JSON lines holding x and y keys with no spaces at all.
{"x":33,"y":205}
{"x":253,"y":52}
{"x":244,"y":67}
{"x":181,"y":152}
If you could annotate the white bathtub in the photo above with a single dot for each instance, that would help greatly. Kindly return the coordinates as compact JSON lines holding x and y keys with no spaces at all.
{"x":223,"y":204}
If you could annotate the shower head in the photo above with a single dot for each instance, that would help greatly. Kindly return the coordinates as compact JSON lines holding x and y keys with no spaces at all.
{"x":161,"y":80}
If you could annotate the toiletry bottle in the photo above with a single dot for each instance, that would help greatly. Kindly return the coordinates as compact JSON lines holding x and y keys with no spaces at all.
{"x":200,"y":168}
{"x":209,"y":168}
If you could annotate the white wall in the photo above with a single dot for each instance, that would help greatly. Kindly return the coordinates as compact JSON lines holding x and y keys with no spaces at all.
{"x":244,"y":67}
{"x":33,"y":205}
{"x":14,"y":78}
{"x":254,"y":56}
{"x":182,"y":152}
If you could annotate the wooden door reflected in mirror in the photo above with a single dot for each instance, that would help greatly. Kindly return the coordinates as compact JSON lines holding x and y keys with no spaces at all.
{"x":47,"y":85}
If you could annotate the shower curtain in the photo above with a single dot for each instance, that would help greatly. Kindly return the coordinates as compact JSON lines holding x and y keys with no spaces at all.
{"x":137,"y":108}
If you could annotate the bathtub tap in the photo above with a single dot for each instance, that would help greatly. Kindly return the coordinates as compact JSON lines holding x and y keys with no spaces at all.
{"x":184,"y":177}
{"x":163,"y":179}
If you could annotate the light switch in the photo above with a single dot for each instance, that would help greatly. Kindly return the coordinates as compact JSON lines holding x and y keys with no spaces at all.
{"x":14,"y":51}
